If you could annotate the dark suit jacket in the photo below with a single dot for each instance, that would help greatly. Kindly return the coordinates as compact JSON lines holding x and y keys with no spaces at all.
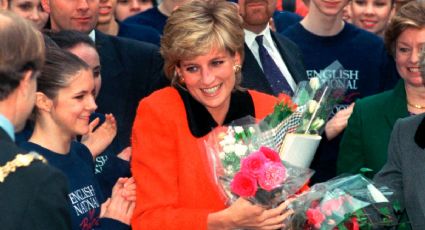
{"x":32,"y":197}
{"x":130,"y":71}
{"x":253,"y":76}
{"x":404,"y":171}
{"x":365,"y":140}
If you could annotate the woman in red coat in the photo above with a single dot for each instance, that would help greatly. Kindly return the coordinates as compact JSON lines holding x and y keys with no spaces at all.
{"x":203,"y":47}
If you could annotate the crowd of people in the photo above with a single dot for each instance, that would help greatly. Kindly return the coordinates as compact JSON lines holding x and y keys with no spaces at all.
{"x":104,"y":104}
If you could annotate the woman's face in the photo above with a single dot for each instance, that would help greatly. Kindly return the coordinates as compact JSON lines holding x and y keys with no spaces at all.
{"x":73,"y":104}
{"x":31,"y":10}
{"x":106,"y":11}
{"x":372,"y":15}
{"x":346,"y":15}
{"x":407,"y":51}
{"x":89,"y":55}
{"x":210,"y":79}
{"x":127,"y":8}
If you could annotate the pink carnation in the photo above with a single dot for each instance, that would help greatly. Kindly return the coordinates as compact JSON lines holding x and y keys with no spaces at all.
{"x":315,"y":217}
{"x":272,"y":176}
{"x":270,"y":154}
{"x":244,"y":184}
{"x":254,"y":163}
{"x":331,"y":206}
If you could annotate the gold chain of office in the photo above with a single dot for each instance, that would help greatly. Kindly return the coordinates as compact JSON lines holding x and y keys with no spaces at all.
{"x":21,"y":160}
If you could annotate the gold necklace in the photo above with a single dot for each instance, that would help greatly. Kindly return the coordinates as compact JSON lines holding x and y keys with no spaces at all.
{"x":415,"y":105}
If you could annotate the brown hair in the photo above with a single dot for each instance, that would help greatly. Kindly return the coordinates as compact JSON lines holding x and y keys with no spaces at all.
{"x":411,"y":15}
{"x":21,"y":49}
{"x":197,"y":27}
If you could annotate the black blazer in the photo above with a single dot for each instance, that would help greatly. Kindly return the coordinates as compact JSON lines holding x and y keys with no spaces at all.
{"x":253,"y":76}
{"x":130,"y":71}
{"x":32,"y":197}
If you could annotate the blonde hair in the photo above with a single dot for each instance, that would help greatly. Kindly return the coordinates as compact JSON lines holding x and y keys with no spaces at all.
{"x":198,"y":27}
{"x":410,"y":15}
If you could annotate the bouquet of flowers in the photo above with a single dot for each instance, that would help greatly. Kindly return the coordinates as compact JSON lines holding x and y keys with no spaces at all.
{"x":316,"y":99}
{"x":346,"y":203}
{"x":243,"y":165}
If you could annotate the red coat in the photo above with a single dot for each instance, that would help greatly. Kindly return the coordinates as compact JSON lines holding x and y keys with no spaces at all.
{"x":174,"y":188}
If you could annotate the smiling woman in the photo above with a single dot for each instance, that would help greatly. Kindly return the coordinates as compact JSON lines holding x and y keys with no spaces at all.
{"x":405,"y":38}
{"x":29,"y":9}
{"x":63,"y":104}
{"x":372,"y":15}
{"x":202,"y":45}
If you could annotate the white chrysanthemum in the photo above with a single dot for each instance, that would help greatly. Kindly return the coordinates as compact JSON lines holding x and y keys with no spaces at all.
{"x":229,"y":168}
{"x":238,"y":129}
{"x":251,"y":130}
{"x":229,"y":148}
{"x":227,"y":140}
{"x":222,"y":155}
{"x":314,"y":83}
{"x":240,"y":150}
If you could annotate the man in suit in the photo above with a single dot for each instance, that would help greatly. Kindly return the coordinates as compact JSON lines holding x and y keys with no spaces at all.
{"x":285,"y":53}
{"x":33,"y":195}
{"x":130,"y":69}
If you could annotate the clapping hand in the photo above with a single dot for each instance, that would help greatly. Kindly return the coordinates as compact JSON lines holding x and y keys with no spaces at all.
{"x":96,"y":140}
{"x":338,"y":123}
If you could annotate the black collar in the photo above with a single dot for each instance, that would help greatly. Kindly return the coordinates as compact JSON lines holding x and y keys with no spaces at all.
{"x":200,"y":120}
{"x":420,"y":134}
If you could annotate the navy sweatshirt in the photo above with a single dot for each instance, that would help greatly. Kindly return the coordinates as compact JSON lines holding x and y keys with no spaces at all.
{"x":368,"y":70}
{"x":85,"y":196}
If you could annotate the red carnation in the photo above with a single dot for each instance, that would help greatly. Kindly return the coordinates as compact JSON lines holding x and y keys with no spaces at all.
{"x":315,"y":217}
{"x":270,"y":154}
{"x":244,"y":184}
{"x":273,"y":176}
{"x":254,"y":163}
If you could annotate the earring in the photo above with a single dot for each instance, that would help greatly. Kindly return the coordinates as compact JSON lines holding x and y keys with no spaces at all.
{"x":237,"y":68}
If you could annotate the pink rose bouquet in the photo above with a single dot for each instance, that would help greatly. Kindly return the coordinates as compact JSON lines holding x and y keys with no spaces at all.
{"x":244,"y":165}
{"x":347,"y":203}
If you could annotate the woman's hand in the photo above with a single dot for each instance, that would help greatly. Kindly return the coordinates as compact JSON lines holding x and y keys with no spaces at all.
{"x":243,"y":214}
{"x":97,"y":140}
{"x":338,"y":123}
{"x":129,"y":189}
{"x":125,"y":154}
{"x":118,"y":207}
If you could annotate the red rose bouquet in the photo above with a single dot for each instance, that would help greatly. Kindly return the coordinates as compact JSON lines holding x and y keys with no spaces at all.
{"x":347,"y":203}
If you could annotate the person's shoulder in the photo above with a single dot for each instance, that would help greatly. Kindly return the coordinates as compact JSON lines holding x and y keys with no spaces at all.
{"x":260,"y":95}
{"x":35,"y":172}
{"x":286,"y":42}
{"x":140,"y":33}
{"x":164,"y":97}
{"x":374,"y":101}
{"x":412,"y":122}
{"x":138,"y":18}
{"x":293,"y":30}
{"x":263,"y":102}
{"x":362,"y":35}
{"x":285,"y":19}
{"x":129,"y":45}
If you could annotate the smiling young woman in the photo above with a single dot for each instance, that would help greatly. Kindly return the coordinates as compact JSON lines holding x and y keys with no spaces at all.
{"x":372,"y":15}
{"x":202,"y":45}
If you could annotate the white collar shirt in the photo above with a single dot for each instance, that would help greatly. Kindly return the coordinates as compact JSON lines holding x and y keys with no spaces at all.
{"x":272,"y":49}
